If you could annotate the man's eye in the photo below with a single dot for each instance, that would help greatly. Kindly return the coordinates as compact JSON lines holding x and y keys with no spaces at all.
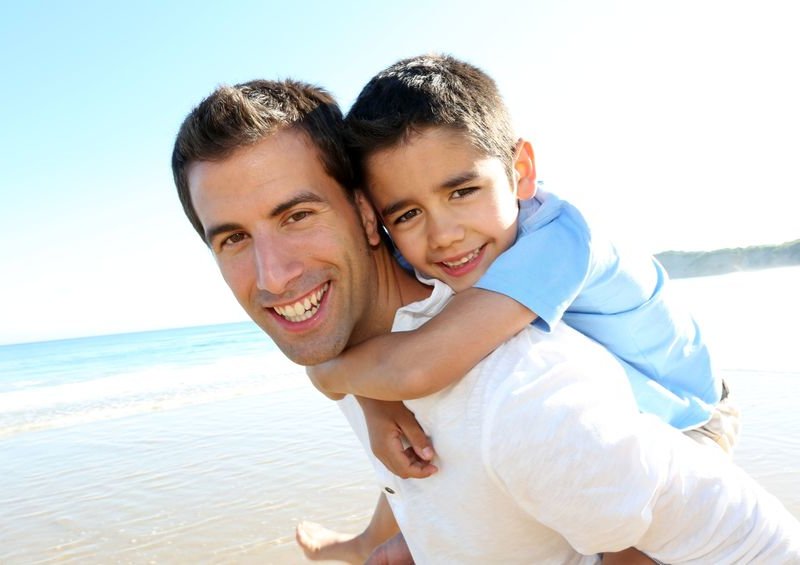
{"x":233,"y":239}
{"x":463,"y":192}
{"x":407,"y":216}
{"x":297,"y":216}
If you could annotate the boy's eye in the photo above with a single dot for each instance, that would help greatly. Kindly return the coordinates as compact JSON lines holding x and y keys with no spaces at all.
{"x":407,"y":216}
{"x":463,"y":192}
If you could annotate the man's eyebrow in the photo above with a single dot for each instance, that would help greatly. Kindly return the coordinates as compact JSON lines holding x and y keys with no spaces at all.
{"x":301,"y":198}
{"x":214,"y":231}
{"x":452,"y":182}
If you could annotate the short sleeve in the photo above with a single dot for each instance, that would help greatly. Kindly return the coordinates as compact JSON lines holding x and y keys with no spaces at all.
{"x":545,"y":269}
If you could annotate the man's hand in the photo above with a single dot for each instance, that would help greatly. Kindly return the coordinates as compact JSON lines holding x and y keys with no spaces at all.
{"x":393,"y":552}
{"x":389,"y":423}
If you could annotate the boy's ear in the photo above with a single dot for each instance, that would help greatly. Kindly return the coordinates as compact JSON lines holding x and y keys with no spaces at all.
{"x":369,"y":219}
{"x":524,"y":170}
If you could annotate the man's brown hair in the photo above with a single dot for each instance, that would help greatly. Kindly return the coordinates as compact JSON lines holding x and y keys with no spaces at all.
{"x":242,"y":115}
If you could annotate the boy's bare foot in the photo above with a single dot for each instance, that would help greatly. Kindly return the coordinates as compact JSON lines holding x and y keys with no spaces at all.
{"x":321,"y":544}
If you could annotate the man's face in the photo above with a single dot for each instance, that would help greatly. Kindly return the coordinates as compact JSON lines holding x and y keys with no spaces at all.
{"x":450,"y":209}
{"x":288,"y":242}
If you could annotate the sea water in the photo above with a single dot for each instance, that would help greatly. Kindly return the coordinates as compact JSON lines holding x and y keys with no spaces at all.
{"x":205,"y":445}
{"x":58,"y":383}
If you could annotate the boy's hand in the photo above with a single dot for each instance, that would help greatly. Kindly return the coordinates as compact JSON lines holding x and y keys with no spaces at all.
{"x":389,"y":423}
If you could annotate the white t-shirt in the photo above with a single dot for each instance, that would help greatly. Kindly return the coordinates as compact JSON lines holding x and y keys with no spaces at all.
{"x":544,"y":458}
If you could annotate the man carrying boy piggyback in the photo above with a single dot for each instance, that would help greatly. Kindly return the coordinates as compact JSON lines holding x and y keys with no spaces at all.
{"x":544,"y":454}
{"x":438,"y":151}
{"x":425,"y":129}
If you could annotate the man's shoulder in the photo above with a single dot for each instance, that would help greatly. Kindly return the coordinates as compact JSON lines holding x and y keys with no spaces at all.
{"x":413,"y":315}
{"x":533,"y":352}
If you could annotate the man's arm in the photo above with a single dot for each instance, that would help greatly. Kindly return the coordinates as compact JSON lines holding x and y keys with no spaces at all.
{"x":413,"y":364}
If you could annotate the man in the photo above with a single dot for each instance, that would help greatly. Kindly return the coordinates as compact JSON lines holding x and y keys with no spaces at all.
{"x":544,"y":455}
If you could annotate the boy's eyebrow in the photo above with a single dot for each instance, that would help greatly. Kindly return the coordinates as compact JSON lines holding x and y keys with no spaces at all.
{"x":301,"y":198}
{"x":459,"y":179}
{"x":394,"y":207}
{"x":452,"y":182}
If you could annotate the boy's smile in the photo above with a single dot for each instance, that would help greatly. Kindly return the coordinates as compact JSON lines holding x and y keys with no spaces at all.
{"x":449,"y":208}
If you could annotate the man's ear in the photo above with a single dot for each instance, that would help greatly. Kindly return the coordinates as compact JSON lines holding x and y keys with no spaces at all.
{"x":524,"y":170}
{"x":369,"y":219}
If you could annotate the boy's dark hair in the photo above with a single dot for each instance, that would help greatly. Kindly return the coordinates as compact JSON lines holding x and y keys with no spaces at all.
{"x":244,"y":114}
{"x":431,"y":91}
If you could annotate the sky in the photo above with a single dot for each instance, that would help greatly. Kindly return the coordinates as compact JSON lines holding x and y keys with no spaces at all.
{"x":673,"y":125}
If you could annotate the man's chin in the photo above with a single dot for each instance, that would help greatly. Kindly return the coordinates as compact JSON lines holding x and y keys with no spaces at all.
{"x":311,"y":352}
{"x":314,"y":342}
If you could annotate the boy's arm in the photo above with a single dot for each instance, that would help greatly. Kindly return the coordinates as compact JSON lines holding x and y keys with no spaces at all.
{"x":406,"y":365}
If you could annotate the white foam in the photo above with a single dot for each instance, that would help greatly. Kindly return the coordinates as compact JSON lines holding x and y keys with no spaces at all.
{"x":135,"y":392}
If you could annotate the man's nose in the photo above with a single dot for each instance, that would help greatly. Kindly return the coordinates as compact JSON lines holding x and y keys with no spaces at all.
{"x":443,"y":231}
{"x":276,"y":265}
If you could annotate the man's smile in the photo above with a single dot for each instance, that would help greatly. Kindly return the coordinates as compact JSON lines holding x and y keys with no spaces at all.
{"x":303,"y":308}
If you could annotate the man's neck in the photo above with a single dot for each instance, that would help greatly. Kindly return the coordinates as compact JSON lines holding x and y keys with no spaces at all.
{"x":409,"y":289}
{"x":394,"y":288}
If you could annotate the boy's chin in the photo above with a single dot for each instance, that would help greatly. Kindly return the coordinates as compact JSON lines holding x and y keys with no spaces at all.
{"x":461,"y":284}
{"x":456,"y":283}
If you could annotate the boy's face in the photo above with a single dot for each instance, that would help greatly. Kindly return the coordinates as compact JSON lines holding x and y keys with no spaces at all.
{"x":450,"y":209}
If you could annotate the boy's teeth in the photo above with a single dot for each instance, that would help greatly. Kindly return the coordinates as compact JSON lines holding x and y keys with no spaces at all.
{"x":465,"y":259}
{"x":302,"y":309}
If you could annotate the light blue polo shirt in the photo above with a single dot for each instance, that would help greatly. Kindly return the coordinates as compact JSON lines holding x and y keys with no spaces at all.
{"x":561,"y":270}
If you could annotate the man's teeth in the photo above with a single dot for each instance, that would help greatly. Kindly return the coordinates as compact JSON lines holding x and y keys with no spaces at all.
{"x":302,"y":309}
{"x":463,"y":260}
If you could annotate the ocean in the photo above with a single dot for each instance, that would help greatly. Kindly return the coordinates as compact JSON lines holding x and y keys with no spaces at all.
{"x":205,"y":445}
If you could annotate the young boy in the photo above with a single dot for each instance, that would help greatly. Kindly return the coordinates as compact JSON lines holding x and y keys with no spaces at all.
{"x":445,"y":173}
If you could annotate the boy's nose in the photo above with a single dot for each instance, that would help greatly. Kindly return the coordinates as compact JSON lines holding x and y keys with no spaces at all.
{"x":443,"y":232}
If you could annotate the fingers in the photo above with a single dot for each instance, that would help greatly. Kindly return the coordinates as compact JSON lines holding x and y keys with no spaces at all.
{"x":403,"y":462}
{"x":416,"y":437}
{"x":389,"y":424}
{"x":417,"y":468}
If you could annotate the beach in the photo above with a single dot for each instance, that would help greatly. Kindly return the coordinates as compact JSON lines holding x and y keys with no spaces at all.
{"x":213,"y":453}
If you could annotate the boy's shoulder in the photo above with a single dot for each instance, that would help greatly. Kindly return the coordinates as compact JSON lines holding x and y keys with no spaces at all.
{"x":545,"y":208}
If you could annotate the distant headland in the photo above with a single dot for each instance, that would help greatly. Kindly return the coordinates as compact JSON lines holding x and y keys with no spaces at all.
{"x":684,"y":264}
